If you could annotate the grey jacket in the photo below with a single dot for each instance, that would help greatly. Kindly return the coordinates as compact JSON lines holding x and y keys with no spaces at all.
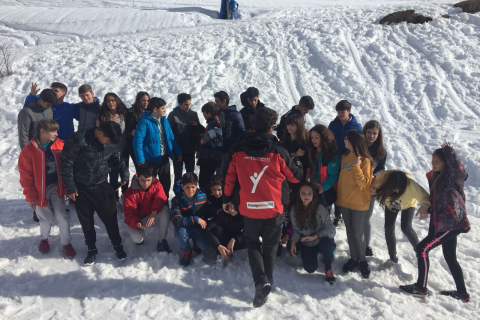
{"x":87,"y":114}
{"x":325,"y":227}
{"x":27,"y":120}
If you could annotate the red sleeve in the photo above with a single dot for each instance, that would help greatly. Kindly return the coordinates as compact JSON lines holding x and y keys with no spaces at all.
{"x":159,"y":198}
{"x":231,"y":177}
{"x":130,"y":209}
{"x":27,"y":180}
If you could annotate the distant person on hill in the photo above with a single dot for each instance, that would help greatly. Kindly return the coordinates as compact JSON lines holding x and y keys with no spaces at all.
{"x":88,"y":109}
{"x":183,"y":122}
{"x":85,"y":163}
{"x":132,"y":118}
{"x":251,"y":103}
{"x":344,"y":122}
{"x":154,"y":142}
{"x":63,"y":112}
{"x":39,"y":167}
{"x":304,"y":106}
{"x":233,"y":126}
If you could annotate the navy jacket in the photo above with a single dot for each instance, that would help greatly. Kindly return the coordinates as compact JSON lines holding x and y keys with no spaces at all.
{"x":340,"y":131}
{"x":232,"y":126}
{"x":247,"y":111}
{"x":212,"y":150}
{"x":183,"y":214}
{"x":146,"y":140}
{"x":63,"y":114}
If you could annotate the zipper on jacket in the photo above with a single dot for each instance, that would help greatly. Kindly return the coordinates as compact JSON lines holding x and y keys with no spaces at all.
{"x":453,"y":214}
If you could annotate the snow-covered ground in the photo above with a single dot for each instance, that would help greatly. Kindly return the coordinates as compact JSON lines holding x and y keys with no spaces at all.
{"x":422,"y":82}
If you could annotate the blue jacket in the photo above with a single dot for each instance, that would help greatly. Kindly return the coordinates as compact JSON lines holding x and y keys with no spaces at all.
{"x":340,"y":131}
{"x":233,"y":126}
{"x":183,"y":214}
{"x":212,"y":147}
{"x":146,"y":140}
{"x":63,"y":114}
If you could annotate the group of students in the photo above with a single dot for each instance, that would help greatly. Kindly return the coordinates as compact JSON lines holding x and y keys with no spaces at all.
{"x":254,"y":191}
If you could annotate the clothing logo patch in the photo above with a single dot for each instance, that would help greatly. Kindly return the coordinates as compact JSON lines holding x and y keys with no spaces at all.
{"x":261,"y":205}
{"x":347,"y":166}
{"x":258,"y":159}
{"x":256,"y":178}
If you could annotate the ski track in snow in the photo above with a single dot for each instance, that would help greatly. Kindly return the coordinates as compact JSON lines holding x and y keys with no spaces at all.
{"x":422,"y":82}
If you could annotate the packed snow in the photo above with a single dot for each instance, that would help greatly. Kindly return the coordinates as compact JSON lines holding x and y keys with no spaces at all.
{"x":422,"y":82}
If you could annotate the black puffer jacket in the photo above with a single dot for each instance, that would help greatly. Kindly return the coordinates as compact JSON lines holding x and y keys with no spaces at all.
{"x":85,"y":163}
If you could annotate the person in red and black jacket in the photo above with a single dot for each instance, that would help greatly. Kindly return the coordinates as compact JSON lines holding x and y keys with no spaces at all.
{"x":262,"y":167}
{"x":448,"y":219}
{"x":145,"y":204}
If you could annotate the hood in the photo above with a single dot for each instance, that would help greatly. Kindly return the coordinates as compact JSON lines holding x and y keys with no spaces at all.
{"x":35,"y":107}
{"x":352,"y":120}
{"x":136,"y":184}
{"x":94,"y":106}
{"x":258,"y":142}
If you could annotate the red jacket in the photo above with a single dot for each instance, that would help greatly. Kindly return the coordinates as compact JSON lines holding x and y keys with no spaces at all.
{"x":262,"y":167}
{"x":138,"y":202}
{"x":31,"y":165}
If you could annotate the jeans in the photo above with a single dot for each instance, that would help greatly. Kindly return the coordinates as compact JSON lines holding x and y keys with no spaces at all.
{"x":195,"y":232}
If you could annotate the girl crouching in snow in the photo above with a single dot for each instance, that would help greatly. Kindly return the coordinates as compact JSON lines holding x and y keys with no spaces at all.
{"x":313,"y":231}
{"x":448,"y":218}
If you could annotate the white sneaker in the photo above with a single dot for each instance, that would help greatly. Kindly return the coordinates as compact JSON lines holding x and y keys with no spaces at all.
{"x":220,"y":263}
{"x":389,"y":263}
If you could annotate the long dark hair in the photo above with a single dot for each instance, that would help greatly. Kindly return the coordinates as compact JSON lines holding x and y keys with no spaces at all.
{"x":377,"y":146}
{"x":308,"y":213}
{"x":436,"y":177}
{"x":395,"y":179}
{"x":105,"y":112}
{"x":359,"y":144}
{"x":302,"y":133}
{"x":137,"y":106}
{"x":327,"y":142}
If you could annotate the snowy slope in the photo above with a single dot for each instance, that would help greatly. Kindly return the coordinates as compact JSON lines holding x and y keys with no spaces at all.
{"x":421,"y":82}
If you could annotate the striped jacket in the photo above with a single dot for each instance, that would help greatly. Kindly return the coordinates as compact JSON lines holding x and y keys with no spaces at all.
{"x":183,"y":214}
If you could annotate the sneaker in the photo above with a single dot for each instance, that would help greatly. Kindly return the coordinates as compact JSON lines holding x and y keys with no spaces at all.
{"x":364,"y":269}
{"x":369,"y":252}
{"x":121,"y":255}
{"x":187,"y":257}
{"x":43,"y":246}
{"x":196,"y":249}
{"x":389,"y":263}
{"x":220,"y":263}
{"x":69,"y":251}
{"x":35,"y":218}
{"x":414,"y":291}
{"x":279,"y":250}
{"x":350,"y":265}
{"x":465,"y":297}
{"x":261,"y":294}
{"x":90,"y":259}
{"x":329,"y":277}
{"x":337,"y":221}
{"x":163,"y":246}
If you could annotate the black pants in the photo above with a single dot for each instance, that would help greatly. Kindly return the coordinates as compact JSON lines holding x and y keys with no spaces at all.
{"x":113,"y":177}
{"x":310,"y":254}
{"x":405,"y":224}
{"x":217,"y":233}
{"x":102,"y":200}
{"x":448,"y":240}
{"x":162,"y":171}
{"x":189,"y":160}
{"x":262,"y":255}
{"x":206,"y":173}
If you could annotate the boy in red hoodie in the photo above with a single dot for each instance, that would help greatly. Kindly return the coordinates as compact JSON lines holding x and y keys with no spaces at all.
{"x":39,"y":166}
{"x":145,"y":205}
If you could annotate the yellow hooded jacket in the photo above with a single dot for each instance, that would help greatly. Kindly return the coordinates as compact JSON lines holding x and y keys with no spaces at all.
{"x":354,"y":183}
{"x":413,"y":194}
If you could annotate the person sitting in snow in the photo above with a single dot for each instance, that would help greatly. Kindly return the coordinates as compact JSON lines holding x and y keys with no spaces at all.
{"x":189,"y":213}
{"x":39,"y":167}
{"x":145,"y":204}
{"x":224,"y":231}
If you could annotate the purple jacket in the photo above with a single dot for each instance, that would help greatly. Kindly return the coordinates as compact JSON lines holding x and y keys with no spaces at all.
{"x":448,"y":200}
